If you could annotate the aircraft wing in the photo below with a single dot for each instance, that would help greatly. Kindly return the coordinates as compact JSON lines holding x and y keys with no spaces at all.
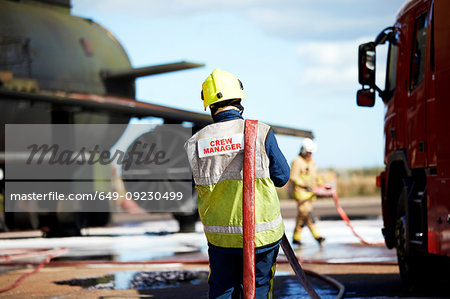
{"x":130,"y":107}
{"x":149,"y":70}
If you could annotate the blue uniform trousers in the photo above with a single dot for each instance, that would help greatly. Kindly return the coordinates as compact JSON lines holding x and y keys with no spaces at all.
{"x":225,"y":275}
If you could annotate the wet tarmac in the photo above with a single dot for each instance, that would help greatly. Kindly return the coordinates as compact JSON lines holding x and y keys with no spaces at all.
{"x":144,"y":256}
{"x":158,"y":240}
{"x":287,"y":286}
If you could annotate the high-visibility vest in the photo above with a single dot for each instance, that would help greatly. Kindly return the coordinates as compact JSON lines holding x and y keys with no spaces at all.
{"x":303,"y":174}
{"x":216,"y":157}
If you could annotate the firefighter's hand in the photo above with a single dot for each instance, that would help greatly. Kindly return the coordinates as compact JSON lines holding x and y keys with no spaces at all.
{"x":327,"y":186}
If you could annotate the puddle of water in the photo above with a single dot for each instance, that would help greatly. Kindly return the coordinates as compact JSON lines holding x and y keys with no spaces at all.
{"x":139,"y":280}
{"x":286,"y":286}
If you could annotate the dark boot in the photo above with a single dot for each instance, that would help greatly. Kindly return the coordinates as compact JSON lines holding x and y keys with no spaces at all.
{"x":320,"y":240}
{"x":296,"y":242}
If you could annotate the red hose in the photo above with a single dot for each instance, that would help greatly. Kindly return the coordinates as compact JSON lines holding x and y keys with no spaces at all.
{"x":344,"y":217}
{"x":19,"y":253}
{"x":325,"y":191}
{"x":248,"y":209}
{"x":51,"y":253}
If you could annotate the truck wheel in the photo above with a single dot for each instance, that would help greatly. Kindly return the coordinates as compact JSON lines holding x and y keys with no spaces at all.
{"x":21,"y":221}
{"x":60,"y":225}
{"x":411,"y":264}
{"x":186,"y":221}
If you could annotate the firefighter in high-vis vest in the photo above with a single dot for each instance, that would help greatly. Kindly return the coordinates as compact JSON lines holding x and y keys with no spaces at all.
{"x":216,"y":157}
{"x":304,"y":178}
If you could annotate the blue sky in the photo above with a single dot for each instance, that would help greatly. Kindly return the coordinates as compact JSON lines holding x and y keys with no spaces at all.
{"x":297,"y":60}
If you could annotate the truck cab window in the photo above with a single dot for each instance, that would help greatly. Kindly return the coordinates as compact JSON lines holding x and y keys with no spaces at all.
{"x":418,"y":54}
{"x":391,"y":72}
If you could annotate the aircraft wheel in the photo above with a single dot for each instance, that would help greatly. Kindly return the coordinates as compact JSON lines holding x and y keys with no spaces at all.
{"x":186,"y":222}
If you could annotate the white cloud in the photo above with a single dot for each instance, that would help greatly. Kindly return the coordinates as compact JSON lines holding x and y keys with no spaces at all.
{"x":300,"y":22}
{"x":169,"y":8}
{"x":331,"y":53}
{"x":293,"y":19}
{"x":328,"y":67}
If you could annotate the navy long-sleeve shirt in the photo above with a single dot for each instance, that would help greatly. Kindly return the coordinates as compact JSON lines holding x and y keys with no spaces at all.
{"x":278,"y":166}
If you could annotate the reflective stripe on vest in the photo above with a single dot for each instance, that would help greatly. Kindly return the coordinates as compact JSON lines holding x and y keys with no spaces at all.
{"x":238,"y":229}
{"x":219,"y":184}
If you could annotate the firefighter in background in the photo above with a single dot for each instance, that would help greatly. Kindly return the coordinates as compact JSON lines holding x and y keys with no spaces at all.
{"x":216,"y":157}
{"x":304,"y":178}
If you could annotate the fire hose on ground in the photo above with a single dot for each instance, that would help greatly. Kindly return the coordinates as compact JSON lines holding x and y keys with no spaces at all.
{"x":49,"y":254}
{"x":327,"y":191}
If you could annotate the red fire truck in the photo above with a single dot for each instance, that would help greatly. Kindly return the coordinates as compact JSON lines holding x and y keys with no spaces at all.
{"x":415,"y":185}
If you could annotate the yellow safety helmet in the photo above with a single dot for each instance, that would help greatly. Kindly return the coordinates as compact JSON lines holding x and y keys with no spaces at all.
{"x":221,"y":86}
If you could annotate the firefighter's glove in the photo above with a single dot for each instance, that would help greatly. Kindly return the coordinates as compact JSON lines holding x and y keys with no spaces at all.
{"x":327,"y":186}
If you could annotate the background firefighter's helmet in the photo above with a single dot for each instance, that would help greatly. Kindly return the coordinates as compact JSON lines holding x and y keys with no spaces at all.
{"x":221,"y":86}
{"x":308,"y":146}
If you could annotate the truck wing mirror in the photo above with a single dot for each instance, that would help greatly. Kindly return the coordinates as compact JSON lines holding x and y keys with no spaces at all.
{"x":366,"y":64}
{"x":365,"y":97}
{"x":386,"y":34}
